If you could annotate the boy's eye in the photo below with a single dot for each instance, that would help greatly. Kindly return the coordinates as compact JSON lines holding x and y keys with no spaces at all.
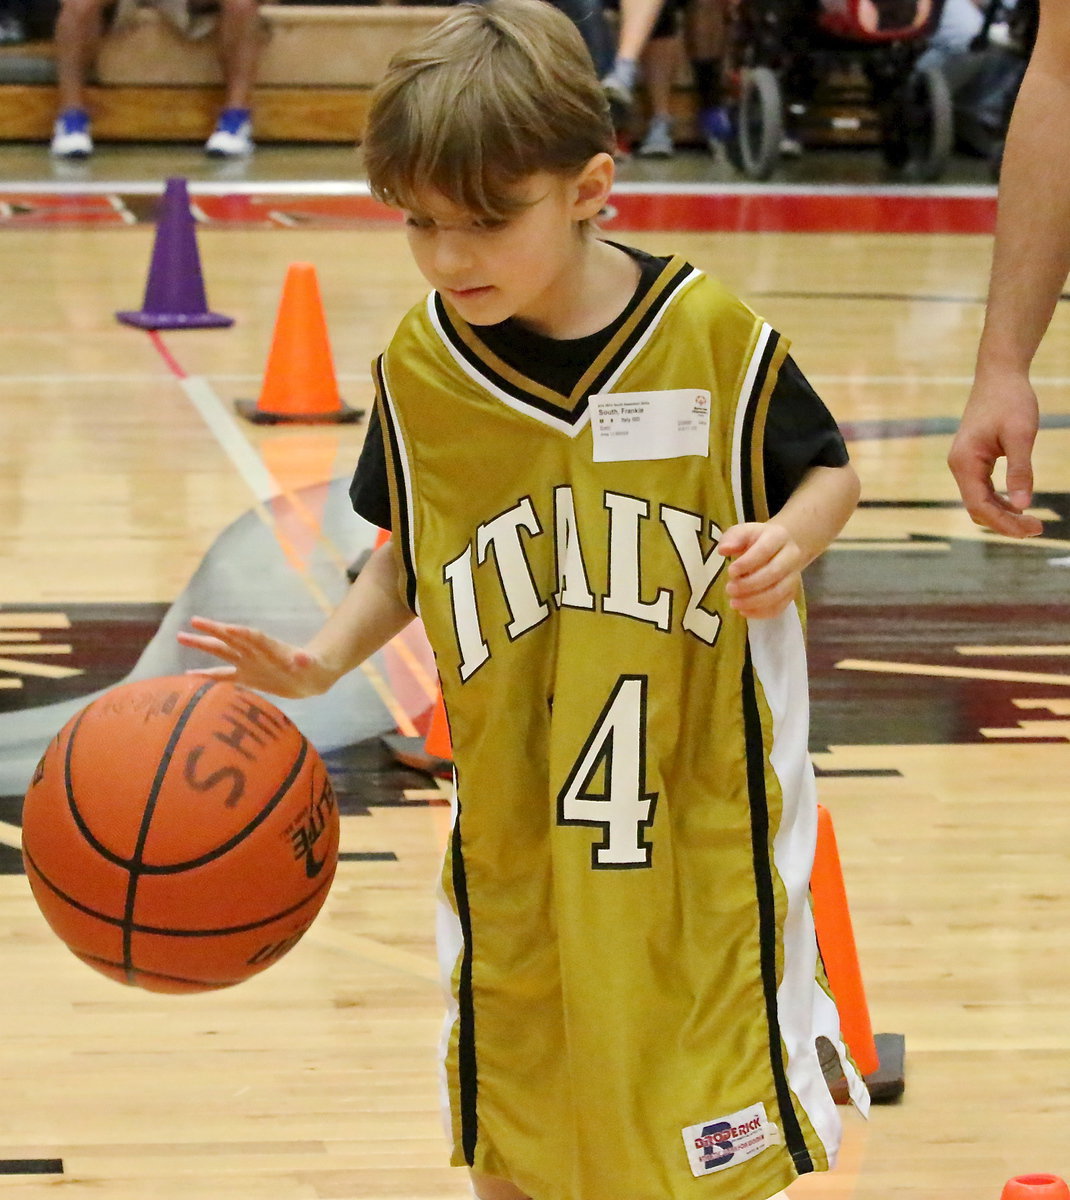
{"x":419,"y":222}
{"x":489,"y":224}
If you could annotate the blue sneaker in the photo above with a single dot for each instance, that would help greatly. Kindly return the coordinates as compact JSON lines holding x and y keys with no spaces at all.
{"x":716,"y":126}
{"x":232,"y":136}
{"x":70,"y":134}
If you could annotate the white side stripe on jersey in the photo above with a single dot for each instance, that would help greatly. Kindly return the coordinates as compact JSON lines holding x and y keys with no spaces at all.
{"x":778,"y":655}
{"x":748,"y":397}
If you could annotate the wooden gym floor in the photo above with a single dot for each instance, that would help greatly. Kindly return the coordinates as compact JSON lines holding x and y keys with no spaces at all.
{"x":130,"y":495}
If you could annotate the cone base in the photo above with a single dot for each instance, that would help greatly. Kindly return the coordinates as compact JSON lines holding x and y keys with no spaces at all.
{"x":343,"y":415}
{"x":149,"y":320}
{"x":885,"y":1085}
{"x":411,"y":752}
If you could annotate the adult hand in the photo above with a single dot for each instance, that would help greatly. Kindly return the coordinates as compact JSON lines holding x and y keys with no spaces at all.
{"x":1000,"y":421}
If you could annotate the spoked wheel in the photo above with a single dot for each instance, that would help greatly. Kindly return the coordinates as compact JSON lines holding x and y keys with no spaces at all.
{"x":754,"y":147}
{"x":919,"y":126}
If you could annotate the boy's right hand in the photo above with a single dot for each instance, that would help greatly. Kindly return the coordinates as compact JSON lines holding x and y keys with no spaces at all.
{"x":256,"y":660}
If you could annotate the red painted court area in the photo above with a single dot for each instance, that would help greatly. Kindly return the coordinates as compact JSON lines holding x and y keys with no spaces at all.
{"x":633,"y":208}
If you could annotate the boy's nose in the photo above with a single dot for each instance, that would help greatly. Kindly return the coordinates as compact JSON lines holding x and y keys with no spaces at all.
{"x":452,"y":254}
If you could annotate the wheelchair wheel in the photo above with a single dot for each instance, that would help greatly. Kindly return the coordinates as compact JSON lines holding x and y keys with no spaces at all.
{"x":919,"y":126}
{"x":754,"y":147}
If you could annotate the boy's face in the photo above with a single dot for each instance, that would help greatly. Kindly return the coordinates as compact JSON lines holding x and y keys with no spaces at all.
{"x":520,"y":267}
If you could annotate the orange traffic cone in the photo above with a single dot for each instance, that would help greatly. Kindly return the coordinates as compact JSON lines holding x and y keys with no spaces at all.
{"x":836,"y":938}
{"x":1036,"y":1187}
{"x":299,"y":382}
{"x":433,"y":755}
{"x":437,"y":743}
{"x":880,"y":1058}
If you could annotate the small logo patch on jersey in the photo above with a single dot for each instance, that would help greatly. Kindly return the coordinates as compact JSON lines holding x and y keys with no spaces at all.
{"x":728,"y":1141}
{"x":633,"y":426}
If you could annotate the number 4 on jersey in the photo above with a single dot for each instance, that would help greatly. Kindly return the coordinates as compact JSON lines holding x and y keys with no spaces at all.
{"x":615,"y":750}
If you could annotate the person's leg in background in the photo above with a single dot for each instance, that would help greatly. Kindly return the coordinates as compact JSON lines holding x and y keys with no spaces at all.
{"x":637,"y":20}
{"x":79,"y":27}
{"x":706,"y":25}
{"x":240,"y":39}
{"x":661,"y":59}
{"x":589,"y":18}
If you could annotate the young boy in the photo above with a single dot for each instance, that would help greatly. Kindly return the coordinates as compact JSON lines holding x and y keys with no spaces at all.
{"x":604,"y":477}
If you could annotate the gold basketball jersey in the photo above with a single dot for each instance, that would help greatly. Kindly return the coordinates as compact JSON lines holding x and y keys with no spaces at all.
{"x":635,"y":991}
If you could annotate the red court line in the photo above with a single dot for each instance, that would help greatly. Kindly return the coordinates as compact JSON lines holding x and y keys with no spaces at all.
{"x":803,"y":212}
{"x":693,"y":211}
{"x":173,"y":365}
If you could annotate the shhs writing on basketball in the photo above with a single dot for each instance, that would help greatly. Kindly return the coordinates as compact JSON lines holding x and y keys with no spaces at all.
{"x":180,"y":834}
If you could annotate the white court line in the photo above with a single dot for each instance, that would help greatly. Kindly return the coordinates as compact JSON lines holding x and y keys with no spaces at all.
{"x":10,"y":835}
{"x":165,"y":375}
{"x":899,"y":380}
{"x":247,"y":462}
{"x":359,"y":187}
{"x":936,"y":671}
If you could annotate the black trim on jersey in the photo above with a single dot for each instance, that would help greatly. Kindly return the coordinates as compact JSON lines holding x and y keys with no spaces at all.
{"x":467,"y":1073}
{"x":767,"y":924}
{"x":393,"y":444}
{"x":561,"y":410}
{"x":648,"y":318}
{"x":746,"y":477}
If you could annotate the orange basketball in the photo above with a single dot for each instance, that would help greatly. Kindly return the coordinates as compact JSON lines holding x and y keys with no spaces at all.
{"x":180,"y":834}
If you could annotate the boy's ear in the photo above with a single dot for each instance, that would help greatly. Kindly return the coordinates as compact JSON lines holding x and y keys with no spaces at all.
{"x":593,"y":186}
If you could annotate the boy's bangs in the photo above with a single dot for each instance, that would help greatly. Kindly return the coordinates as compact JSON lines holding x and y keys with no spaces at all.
{"x":442,"y":157}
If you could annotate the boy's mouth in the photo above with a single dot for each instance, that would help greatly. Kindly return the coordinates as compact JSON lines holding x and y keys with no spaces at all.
{"x":469,"y":293}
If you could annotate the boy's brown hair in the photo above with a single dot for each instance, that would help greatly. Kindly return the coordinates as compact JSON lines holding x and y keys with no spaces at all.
{"x":494,"y":93}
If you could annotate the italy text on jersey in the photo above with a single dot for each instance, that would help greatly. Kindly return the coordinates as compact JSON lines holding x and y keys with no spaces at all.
{"x":619,"y":545}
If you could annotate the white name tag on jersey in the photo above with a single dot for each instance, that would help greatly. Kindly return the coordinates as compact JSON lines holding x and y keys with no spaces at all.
{"x":631,"y":426}
{"x":728,"y":1141}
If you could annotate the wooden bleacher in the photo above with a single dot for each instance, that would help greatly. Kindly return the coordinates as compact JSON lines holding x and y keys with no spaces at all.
{"x":318,"y":66}
{"x":316,"y":73}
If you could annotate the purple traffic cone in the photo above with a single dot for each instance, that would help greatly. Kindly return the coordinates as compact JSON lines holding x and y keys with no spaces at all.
{"x":174,"y":294}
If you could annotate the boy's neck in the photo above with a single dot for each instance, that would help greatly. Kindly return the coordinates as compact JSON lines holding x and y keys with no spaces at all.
{"x":594,"y":292}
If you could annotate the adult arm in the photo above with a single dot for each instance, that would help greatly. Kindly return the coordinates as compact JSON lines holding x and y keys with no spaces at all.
{"x":1031,"y":260}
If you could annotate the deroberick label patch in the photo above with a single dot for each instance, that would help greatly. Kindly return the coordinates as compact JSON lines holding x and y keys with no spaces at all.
{"x":728,"y":1141}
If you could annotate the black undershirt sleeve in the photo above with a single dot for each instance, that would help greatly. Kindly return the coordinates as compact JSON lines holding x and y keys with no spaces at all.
{"x":369,"y":493}
{"x":800,"y":433}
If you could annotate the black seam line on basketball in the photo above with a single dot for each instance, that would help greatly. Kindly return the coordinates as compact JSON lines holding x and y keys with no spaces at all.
{"x":205,"y":983}
{"x":767,"y":929}
{"x":134,"y":866}
{"x":227,"y":846}
{"x":119,"y":922}
{"x":108,"y":855}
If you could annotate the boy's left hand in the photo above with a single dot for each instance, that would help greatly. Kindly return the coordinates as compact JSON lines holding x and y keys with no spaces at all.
{"x":765,"y":573}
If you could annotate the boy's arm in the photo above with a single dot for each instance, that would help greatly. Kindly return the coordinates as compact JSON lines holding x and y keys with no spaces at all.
{"x":1030,"y":262}
{"x":768,"y":557}
{"x":370,"y":614}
